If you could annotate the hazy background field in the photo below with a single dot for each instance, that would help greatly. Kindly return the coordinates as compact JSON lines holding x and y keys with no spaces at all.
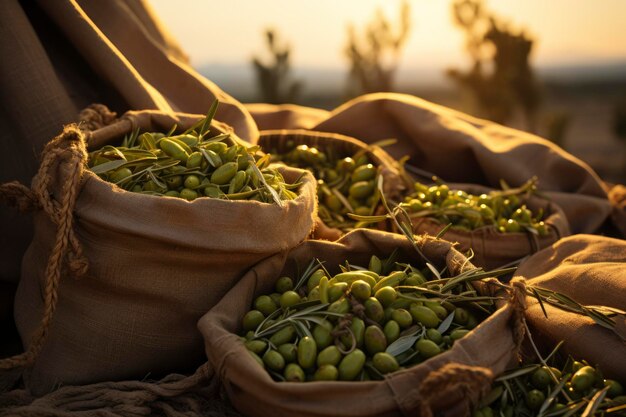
{"x":577,"y":59}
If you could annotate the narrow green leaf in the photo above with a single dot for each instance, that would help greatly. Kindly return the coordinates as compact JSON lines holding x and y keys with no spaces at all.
{"x":208,"y":119}
{"x":108,"y":166}
{"x":445,"y":324}
{"x":403,"y":343}
{"x":538,"y":297}
{"x":518,"y":372}
{"x":595,"y":402}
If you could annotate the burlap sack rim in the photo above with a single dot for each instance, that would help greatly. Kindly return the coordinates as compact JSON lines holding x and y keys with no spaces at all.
{"x":393,"y":184}
{"x":306,"y":197}
{"x":224,"y":344}
{"x":555,"y":220}
{"x":136,"y":119}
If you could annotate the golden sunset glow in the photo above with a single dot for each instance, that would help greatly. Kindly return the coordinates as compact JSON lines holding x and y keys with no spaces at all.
{"x":230,"y":32}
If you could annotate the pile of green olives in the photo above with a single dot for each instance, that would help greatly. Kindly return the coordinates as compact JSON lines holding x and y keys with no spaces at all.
{"x":551,"y":391}
{"x":190,"y":165}
{"x":503,"y":210}
{"x":358,"y":324}
{"x":345,"y":185}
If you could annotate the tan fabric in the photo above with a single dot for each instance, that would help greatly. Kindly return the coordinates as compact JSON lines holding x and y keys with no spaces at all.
{"x":592,"y":271}
{"x":393,"y":184}
{"x":68,"y":54}
{"x":487,"y":350}
{"x":285,"y":116}
{"x":156,"y":265}
{"x":491,"y":248}
{"x":460,"y":148}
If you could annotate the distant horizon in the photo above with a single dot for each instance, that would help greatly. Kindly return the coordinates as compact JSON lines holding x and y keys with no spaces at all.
{"x":239,"y":78}
{"x":566,"y":32}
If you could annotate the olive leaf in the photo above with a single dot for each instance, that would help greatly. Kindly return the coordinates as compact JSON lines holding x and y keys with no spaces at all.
{"x":516,"y":373}
{"x":404,"y":343}
{"x":108,"y":166}
{"x":208,"y":119}
{"x":595,"y":402}
{"x":445,"y":324}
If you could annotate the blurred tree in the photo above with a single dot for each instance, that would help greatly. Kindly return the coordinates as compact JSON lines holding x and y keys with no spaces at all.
{"x":375,"y":56}
{"x":501,"y":79}
{"x":274,"y":77}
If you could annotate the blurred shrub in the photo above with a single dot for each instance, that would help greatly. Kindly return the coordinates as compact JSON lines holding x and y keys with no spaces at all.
{"x":374,"y":56}
{"x":274,"y":76}
{"x":501,"y":78}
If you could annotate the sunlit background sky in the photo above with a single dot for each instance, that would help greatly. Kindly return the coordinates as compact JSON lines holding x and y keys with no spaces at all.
{"x":569,"y":31}
{"x":579,"y":56}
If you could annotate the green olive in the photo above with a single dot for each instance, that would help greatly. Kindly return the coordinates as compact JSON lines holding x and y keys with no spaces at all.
{"x":294,"y":373}
{"x":351,"y":365}
{"x":284,"y":335}
{"x":392,"y":331}
{"x":307,"y":352}
{"x":534,"y":399}
{"x":329,"y":356}
{"x":425,"y":316}
{"x":120,"y":175}
{"x":284,"y":284}
{"x":265,"y":305}
{"x":583,"y":379}
{"x":252,"y":319}
{"x":385,"y":363}
{"x":363,"y":173}
{"x":192,"y":181}
{"x":434,"y":335}
{"x":289,"y":298}
{"x":194,"y":160}
{"x":541,"y":378}
{"x":374,"y":309}
{"x":456,"y":334}
{"x":427,"y":348}
{"x":361,"y":290}
{"x":321,"y":334}
{"x":256,"y":346}
{"x":224,"y":174}
{"x":615,"y":388}
{"x":386,"y":296}
{"x":274,"y":360}
{"x":188,"y":194}
{"x":337,"y":290}
{"x":289,"y":352}
{"x":361,"y":189}
{"x":402,"y":317}
{"x":375,"y":340}
{"x":326,"y":372}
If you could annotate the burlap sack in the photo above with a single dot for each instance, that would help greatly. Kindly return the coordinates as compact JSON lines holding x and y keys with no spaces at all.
{"x":592,"y":271}
{"x":150,"y":266}
{"x":491,"y":248}
{"x":393,"y":184}
{"x":446,"y":383}
{"x":461,"y":148}
{"x":67,"y":54}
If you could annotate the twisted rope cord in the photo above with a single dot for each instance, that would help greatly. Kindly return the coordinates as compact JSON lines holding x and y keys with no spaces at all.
{"x":65,"y":153}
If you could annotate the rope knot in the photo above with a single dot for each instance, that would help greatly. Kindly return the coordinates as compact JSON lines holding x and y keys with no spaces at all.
{"x":95,"y":116}
{"x":518,"y":303}
{"x":474,"y":382}
{"x":62,"y":166}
